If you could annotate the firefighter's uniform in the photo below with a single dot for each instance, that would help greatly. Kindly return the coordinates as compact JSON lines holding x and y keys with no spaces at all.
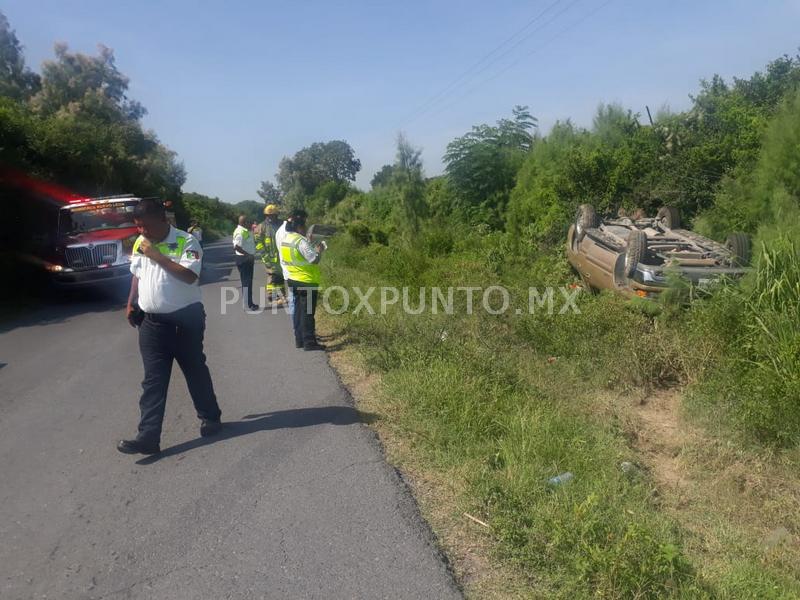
{"x":270,"y":257}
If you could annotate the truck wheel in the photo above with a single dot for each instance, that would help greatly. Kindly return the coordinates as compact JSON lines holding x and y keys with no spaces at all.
{"x":586,"y":219}
{"x":739,"y":246}
{"x":635,"y":251}
{"x":669,"y":217}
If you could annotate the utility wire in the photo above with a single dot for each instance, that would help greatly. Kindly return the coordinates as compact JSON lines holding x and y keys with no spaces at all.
{"x":484,"y":58}
{"x":523,"y":57}
{"x":521,"y":41}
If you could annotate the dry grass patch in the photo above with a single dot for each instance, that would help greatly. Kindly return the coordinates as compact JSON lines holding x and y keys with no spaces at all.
{"x":739,"y":506}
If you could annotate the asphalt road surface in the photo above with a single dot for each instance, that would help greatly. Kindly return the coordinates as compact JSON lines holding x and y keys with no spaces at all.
{"x":292,"y":500}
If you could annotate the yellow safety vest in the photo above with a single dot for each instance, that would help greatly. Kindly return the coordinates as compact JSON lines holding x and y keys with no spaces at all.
{"x":176,"y":251}
{"x":297,"y":267}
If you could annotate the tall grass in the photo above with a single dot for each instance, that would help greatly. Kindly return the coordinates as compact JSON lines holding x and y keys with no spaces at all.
{"x":506,"y":399}
{"x":477,"y":393}
{"x":756,"y":378}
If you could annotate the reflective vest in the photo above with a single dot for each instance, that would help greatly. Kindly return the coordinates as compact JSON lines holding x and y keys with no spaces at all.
{"x":297,"y":267}
{"x":174,"y":251}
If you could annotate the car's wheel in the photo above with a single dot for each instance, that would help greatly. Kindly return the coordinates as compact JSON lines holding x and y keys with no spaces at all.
{"x":635,"y":250}
{"x":669,"y":217}
{"x":586,"y":219}
{"x":739,"y":246}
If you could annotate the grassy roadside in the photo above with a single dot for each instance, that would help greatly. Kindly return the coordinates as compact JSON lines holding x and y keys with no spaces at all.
{"x":440,"y":495}
{"x":480,"y":411}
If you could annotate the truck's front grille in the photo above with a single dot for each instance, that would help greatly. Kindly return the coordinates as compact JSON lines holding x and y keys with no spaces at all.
{"x":93,"y":255}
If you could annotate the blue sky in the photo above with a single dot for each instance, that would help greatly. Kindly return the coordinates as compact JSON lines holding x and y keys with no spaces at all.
{"x":234,"y":86}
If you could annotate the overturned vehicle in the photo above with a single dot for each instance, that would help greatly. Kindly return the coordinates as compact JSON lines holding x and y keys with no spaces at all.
{"x":633,"y":255}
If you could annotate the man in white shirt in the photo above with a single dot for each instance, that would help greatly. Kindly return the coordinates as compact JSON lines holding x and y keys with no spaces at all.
{"x":165,"y":304}
{"x":245,"y":248}
{"x":300,"y":260}
{"x":280,"y":235}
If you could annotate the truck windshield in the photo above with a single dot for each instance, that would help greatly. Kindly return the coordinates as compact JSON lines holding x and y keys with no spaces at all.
{"x":80,"y":219}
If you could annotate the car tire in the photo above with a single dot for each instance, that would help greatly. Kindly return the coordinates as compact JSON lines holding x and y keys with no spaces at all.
{"x":669,"y":217}
{"x":586,"y":219}
{"x":739,"y":246}
{"x":635,"y":251}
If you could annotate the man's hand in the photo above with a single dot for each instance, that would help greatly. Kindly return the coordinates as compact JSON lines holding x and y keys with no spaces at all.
{"x":176,"y":270}
{"x":150,"y":251}
{"x":129,"y":314}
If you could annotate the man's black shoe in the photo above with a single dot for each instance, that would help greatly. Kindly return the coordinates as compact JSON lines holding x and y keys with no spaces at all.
{"x":314,"y":346}
{"x":298,"y":344}
{"x":209,"y":427}
{"x":138,"y":447}
{"x":255,"y":307}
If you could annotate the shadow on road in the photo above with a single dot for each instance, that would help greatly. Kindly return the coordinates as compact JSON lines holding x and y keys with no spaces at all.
{"x":281,"y":419}
{"x":56,"y":307}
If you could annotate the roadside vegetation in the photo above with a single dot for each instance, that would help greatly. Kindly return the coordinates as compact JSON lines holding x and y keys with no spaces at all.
{"x":73,"y":123}
{"x":679,"y":419}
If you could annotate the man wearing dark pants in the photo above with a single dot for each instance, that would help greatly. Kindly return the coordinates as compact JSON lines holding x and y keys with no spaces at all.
{"x":300,"y":261}
{"x":165,"y":303}
{"x":305,"y":303}
{"x":245,"y":247}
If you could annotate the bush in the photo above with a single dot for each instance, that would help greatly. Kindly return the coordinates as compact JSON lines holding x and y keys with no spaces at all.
{"x":438,"y":242}
{"x":360,"y":233}
{"x":756,"y":377}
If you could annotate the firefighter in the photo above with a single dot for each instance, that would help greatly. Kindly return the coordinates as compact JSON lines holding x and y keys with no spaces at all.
{"x":267,"y":247}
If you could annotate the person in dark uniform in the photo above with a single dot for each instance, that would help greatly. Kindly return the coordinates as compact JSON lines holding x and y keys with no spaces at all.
{"x":165,"y":304}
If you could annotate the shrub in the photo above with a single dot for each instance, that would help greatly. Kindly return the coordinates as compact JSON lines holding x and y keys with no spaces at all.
{"x":360,"y":233}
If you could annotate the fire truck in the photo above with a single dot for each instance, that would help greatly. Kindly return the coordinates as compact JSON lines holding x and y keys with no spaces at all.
{"x":92,"y":242}
{"x":68,"y":241}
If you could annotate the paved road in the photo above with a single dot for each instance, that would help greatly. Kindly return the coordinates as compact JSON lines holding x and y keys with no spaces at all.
{"x":294,"y":500}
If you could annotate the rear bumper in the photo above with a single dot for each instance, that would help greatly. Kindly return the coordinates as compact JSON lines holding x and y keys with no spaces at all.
{"x":92,"y":277}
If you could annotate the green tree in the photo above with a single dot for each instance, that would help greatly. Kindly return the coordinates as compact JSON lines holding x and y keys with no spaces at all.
{"x":382,"y":177}
{"x":299,"y":176}
{"x":16,"y":80}
{"x":270,"y":193}
{"x":408,"y":180}
{"x":252,"y":209}
{"x":214,"y":216}
{"x":81,"y":129}
{"x":482,"y":165}
{"x":770,"y":192}
{"x":440,"y":197}
{"x":77,"y":83}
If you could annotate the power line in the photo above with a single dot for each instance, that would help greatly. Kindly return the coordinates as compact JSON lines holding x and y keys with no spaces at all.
{"x":524,"y":39}
{"x":524,"y":56}
{"x":488,"y":55}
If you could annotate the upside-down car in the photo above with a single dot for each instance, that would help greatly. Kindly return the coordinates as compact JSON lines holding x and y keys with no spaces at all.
{"x":633,"y":255}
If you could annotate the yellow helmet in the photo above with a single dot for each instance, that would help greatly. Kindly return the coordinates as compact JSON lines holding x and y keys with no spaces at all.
{"x":270,"y":209}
